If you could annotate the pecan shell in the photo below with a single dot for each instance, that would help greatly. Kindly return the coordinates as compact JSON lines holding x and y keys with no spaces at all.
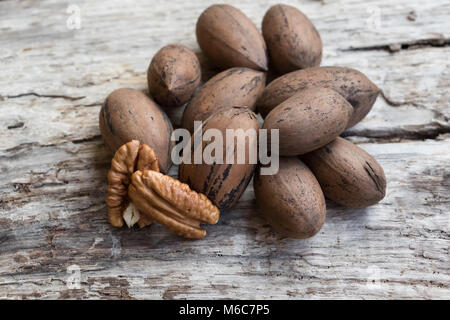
{"x":129,"y":157}
{"x":172,"y":203}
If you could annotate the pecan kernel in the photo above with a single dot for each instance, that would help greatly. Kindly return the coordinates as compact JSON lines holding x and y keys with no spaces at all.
{"x":172,"y":203}
{"x":127,"y":159}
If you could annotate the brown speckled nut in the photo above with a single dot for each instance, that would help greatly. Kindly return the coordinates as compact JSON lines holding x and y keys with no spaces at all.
{"x":291,"y":38}
{"x":309,"y":120}
{"x":129,"y":114}
{"x":230,"y":39}
{"x":291,"y":200}
{"x":173,"y":75}
{"x":354,"y":86}
{"x":347,"y":174}
{"x":240,"y":87}
{"x":224,"y":183}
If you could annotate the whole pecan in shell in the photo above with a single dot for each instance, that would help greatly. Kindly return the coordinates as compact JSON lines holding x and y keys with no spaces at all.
{"x":353,"y":85}
{"x":230,"y":39}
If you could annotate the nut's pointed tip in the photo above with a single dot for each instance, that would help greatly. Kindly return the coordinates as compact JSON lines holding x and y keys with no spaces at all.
{"x":264,"y":68}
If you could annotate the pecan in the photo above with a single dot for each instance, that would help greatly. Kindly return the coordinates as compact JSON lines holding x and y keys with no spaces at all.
{"x":130,"y":157}
{"x":172,"y":203}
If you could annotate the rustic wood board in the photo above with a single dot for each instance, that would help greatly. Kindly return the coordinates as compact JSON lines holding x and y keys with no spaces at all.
{"x":55,"y":240}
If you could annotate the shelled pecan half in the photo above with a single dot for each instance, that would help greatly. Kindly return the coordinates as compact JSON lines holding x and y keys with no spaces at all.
{"x":130,"y":157}
{"x":172,"y":203}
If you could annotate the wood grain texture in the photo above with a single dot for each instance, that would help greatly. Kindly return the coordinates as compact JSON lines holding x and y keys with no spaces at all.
{"x":53,"y":163}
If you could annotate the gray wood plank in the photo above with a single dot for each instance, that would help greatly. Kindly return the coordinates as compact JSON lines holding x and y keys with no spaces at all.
{"x":53,"y":163}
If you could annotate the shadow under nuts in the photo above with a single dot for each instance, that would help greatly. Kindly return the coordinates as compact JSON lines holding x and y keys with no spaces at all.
{"x":129,"y":114}
{"x":292,"y":40}
{"x":239,"y":87}
{"x":309,"y":120}
{"x":354,"y":86}
{"x":230,"y":39}
{"x":224,"y":183}
{"x":173,"y":75}
{"x":347,"y":174}
{"x":291,"y":200}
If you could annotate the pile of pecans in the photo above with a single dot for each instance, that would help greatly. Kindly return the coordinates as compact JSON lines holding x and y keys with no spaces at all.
{"x":308,"y":107}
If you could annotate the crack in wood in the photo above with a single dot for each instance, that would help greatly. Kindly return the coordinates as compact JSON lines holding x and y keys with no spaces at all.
{"x":15,"y":125}
{"x":52,"y":96}
{"x":95,"y":104}
{"x":29,"y":145}
{"x":422,"y":133}
{"x":398,"y":46}
{"x":88,"y":139}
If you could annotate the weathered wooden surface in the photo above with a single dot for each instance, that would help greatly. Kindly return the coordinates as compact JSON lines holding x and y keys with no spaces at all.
{"x":53,"y":163}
